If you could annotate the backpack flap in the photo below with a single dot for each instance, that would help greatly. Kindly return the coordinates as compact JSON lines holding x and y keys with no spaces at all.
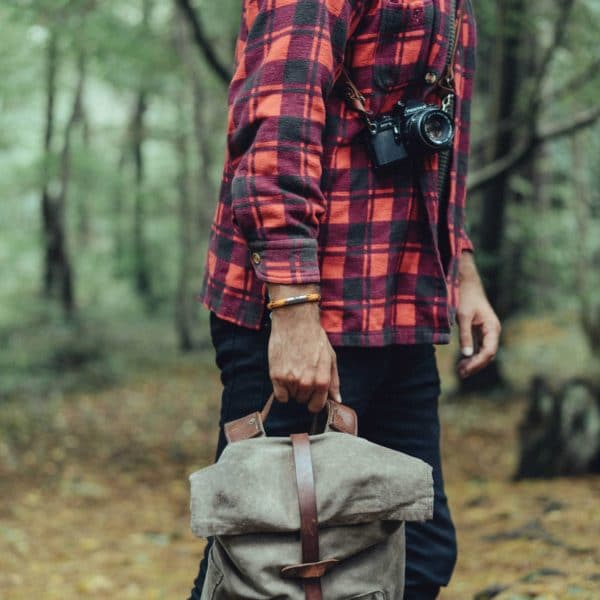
{"x":252,"y":489}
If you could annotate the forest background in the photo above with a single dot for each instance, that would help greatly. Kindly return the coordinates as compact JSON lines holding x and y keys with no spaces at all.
{"x":112,"y":130}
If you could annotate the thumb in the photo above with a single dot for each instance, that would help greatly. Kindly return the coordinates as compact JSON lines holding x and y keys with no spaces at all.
{"x":466,"y":335}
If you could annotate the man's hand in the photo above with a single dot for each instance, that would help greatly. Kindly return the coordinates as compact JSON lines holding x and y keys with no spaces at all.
{"x":479,"y":327}
{"x":302,"y":363}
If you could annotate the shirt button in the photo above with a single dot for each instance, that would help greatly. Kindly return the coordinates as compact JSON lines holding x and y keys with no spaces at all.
{"x":430,"y":77}
{"x":256,"y":258}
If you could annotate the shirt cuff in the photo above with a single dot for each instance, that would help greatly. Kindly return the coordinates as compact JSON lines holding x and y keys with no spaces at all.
{"x":287,"y":262}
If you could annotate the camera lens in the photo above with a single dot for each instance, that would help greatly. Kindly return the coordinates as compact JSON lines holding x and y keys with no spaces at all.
{"x":436,"y":129}
{"x":431,"y":128}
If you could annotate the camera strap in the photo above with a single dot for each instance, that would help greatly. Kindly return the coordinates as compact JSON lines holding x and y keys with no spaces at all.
{"x":445,"y":84}
{"x":354,"y":98}
{"x":446,"y":91}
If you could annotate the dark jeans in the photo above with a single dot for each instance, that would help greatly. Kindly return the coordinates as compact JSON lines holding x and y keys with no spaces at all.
{"x":395,"y":392}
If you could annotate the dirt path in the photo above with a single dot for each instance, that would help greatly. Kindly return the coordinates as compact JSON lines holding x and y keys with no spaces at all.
{"x":95,"y":498}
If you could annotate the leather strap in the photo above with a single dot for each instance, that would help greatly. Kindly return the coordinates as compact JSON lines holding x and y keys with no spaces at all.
{"x":340,"y":418}
{"x":445,"y":83}
{"x":307,"y":500}
{"x":250,"y":426}
{"x":352,"y":94}
{"x":309,"y":570}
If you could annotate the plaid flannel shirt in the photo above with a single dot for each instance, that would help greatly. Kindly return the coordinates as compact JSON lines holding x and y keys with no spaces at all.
{"x":299,"y":200}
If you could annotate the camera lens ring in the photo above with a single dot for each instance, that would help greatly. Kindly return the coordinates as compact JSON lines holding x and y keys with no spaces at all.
{"x":430,"y":128}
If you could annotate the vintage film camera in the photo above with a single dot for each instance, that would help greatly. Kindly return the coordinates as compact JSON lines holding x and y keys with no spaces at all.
{"x":411,"y":129}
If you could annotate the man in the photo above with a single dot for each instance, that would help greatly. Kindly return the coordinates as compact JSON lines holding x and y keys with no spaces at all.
{"x":304,"y":214}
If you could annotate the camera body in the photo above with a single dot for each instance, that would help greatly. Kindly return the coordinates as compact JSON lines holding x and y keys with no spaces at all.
{"x":411,"y":129}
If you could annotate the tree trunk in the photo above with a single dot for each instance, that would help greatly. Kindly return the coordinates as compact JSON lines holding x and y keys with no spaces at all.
{"x":588,"y":263}
{"x":119,"y":237}
{"x":142,"y":278}
{"x":495,"y":194}
{"x":559,"y":431}
{"x":183,"y":298}
{"x":58,"y":273}
{"x":141,"y":268}
{"x":83,"y":204}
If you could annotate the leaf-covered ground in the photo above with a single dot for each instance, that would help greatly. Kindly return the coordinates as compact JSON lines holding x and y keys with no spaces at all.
{"x":95,"y":498}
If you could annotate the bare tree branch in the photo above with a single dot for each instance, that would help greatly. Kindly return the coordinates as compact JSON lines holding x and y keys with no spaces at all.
{"x":583,"y":77}
{"x":524,"y":148}
{"x":560,"y":28}
{"x":202,"y":42}
{"x":580,"y":79}
{"x":526,"y":117}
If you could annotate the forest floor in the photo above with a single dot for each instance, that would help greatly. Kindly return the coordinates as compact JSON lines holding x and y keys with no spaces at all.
{"x":95,"y":494}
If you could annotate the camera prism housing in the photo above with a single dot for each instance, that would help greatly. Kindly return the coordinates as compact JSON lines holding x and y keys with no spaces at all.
{"x":411,"y":129}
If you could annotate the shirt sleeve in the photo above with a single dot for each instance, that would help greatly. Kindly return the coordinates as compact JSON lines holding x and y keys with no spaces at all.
{"x":464,"y":78}
{"x":287,"y":56}
{"x":465,"y":243}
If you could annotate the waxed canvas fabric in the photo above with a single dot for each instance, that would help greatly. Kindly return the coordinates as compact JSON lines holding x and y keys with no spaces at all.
{"x":365,"y":492}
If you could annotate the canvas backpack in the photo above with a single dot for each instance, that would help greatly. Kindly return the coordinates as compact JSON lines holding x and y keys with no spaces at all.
{"x":307,"y":517}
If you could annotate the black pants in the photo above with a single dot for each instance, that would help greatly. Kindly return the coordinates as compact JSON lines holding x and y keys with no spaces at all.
{"x":395,"y":392}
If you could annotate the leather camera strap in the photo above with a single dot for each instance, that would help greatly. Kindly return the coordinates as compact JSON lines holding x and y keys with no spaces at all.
{"x":445,"y":84}
{"x":353,"y":97}
{"x":307,"y":500}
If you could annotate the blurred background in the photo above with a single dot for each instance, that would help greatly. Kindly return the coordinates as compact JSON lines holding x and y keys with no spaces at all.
{"x":112,"y":129}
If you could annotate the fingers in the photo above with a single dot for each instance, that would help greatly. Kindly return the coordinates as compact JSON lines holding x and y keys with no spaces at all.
{"x":490,"y":337}
{"x":280,"y":391}
{"x":317,"y":401}
{"x":321,"y":385}
{"x":465,"y":333}
{"x":334,"y":384}
{"x":302,"y":363}
{"x":312,"y":391}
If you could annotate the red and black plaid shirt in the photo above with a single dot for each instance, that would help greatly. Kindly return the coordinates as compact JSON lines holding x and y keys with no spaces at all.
{"x":300,"y":202}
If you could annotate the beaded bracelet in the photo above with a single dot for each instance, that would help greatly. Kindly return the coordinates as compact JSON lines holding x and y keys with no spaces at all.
{"x":292,"y":300}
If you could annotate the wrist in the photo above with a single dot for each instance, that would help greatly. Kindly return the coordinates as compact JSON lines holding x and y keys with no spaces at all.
{"x":467,"y":269}
{"x":296,"y":313}
{"x":280,"y":291}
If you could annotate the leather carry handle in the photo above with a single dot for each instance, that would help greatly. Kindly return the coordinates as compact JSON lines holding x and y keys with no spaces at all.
{"x":340,"y":418}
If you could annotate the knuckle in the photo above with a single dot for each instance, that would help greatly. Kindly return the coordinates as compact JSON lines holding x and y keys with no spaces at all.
{"x":305,"y":382}
{"x":464,"y":315}
{"x":289,"y":378}
{"x":321,"y":383}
